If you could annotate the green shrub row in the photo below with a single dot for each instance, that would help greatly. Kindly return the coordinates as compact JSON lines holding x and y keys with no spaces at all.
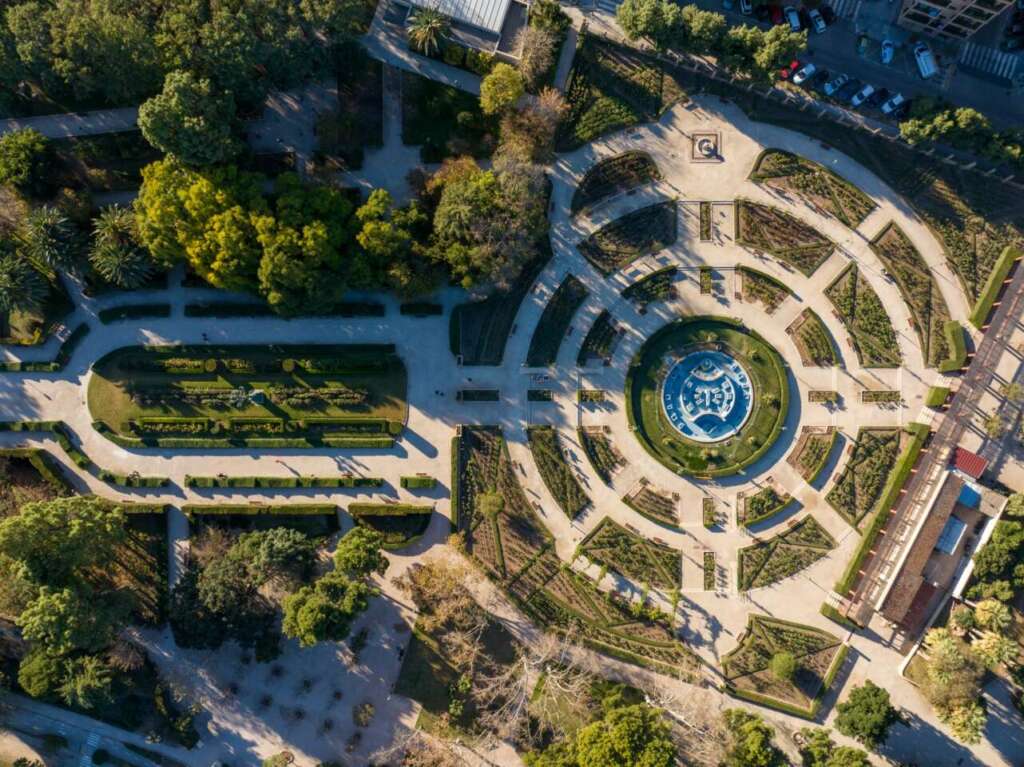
{"x":62,"y":435}
{"x":957,"y":344}
{"x":418,"y":482}
{"x":387,"y":509}
{"x":57,"y":364}
{"x":994,"y":283}
{"x":478,"y":395}
{"x":228,"y":309}
{"x":820,"y":465}
{"x":223,"y":443}
{"x":256,"y":509}
{"x":281,"y":482}
{"x":456,"y":474}
{"x":888,"y":498}
{"x":936,"y":396}
{"x":134,"y":312}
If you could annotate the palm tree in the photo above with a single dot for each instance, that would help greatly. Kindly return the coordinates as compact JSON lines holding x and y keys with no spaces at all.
{"x":116,"y":254}
{"x":427,"y":29}
{"x":50,"y":239}
{"x":22,"y":288}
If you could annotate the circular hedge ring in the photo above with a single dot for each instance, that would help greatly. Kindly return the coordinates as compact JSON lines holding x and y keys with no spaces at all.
{"x":667,"y":398}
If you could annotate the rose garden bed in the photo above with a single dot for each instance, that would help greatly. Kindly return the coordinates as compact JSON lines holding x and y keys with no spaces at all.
{"x":866,"y":320}
{"x":775,"y":232}
{"x":639,"y":233}
{"x":784,"y":555}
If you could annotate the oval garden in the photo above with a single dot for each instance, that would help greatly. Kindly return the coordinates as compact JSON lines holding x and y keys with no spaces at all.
{"x":714,"y":417}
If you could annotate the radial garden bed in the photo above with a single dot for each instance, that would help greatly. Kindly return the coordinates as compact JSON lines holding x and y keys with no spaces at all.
{"x":784,"y":555}
{"x":601,"y":340}
{"x":602,"y":455}
{"x":779,"y":234}
{"x":613,"y":176}
{"x":554,"y":322}
{"x":758,"y":286}
{"x":632,"y":556}
{"x":769,"y":401}
{"x":657,"y":505}
{"x":813,"y":183}
{"x":813,"y":341}
{"x":761,"y":506}
{"x":656,"y":286}
{"x":556,"y":471}
{"x":860,"y":485}
{"x":866,"y":320}
{"x":818,"y":656}
{"x":812,"y":451}
{"x":928,"y":310}
{"x":269,"y":396}
{"x":639,"y":233}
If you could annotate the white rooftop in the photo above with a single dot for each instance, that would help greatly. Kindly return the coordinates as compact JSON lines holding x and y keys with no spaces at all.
{"x":488,"y":15}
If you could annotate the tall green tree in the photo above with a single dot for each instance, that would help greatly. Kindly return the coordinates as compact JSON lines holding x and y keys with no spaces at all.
{"x":87,"y":682}
{"x":501,"y":89}
{"x":704,"y":29}
{"x":191,"y":120}
{"x":359,"y":553}
{"x":392,"y":247}
{"x":115,"y":253}
{"x":751,"y":741}
{"x":427,"y":30}
{"x":25,"y":160}
{"x":866,"y":714}
{"x":626,"y":736}
{"x":69,"y":620}
{"x":659,"y":21}
{"x":22,"y":287}
{"x":50,"y":239}
{"x":819,"y":750}
{"x":325,"y":611}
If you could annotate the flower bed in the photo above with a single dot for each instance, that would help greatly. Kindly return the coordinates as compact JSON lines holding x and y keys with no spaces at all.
{"x":864,"y":476}
{"x":866,"y":320}
{"x":656,"y":286}
{"x":779,"y":234}
{"x":640,"y":233}
{"x":601,"y":340}
{"x":812,"y":452}
{"x":657,"y":505}
{"x":554,"y":322}
{"x":762,"y":505}
{"x":555,"y":471}
{"x":758,"y":286}
{"x":614,"y":176}
{"x":605,"y":459}
{"x":709,"y":516}
{"x":633,"y":556}
{"x":710,"y":571}
{"x":784,"y":555}
{"x":815,"y":184}
{"x":813,"y":341}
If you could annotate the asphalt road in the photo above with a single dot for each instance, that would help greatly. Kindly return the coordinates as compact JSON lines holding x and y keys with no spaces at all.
{"x":836,"y":50}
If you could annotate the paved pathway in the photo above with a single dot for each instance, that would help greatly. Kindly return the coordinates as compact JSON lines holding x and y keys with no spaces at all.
{"x":76,"y":123}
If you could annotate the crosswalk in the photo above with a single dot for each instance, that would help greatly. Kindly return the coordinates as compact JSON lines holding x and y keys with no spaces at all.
{"x":845,"y":8}
{"x":990,"y":60}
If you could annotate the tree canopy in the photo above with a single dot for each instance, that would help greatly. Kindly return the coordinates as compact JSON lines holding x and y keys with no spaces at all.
{"x":325,"y":611}
{"x":866,"y":714}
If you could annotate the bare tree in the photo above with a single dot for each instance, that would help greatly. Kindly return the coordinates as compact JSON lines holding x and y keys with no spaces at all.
{"x":537,"y":53}
{"x":697,"y":727}
{"x":505,"y":699}
{"x":126,"y":654}
{"x":533,"y":126}
{"x":415,"y":748}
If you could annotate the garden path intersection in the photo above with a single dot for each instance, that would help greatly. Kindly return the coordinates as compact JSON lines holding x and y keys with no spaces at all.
{"x":710,"y":621}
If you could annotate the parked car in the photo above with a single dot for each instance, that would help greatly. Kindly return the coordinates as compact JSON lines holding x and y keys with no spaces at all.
{"x":836,"y":83}
{"x":787,"y":71}
{"x":1012,"y":44}
{"x":894,"y":103}
{"x":888,"y":51}
{"x":746,"y":7}
{"x":846,"y":92}
{"x":793,"y":18}
{"x":803,"y":73}
{"x":925,"y":60}
{"x":862,"y":95}
{"x":817,"y":20}
{"x":879,"y":97}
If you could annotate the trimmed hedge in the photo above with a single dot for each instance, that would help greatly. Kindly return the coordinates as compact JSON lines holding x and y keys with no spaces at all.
{"x":229,"y":309}
{"x":42,"y":462}
{"x":256,"y":509}
{"x":817,"y":469}
{"x":62,"y":434}
{"x":456,"y":474}
{"x":936,"y":396}
{"x":890,"y":494}
{"x":418,"y":483}
{"x":311,"y":519}
{"x":837,"y":617}
{"x":955,"y":333}
{"x":281,"y":482}
{"x":994,"y":283}
{"x":387,"y":509}
{"x":59,"y":361}
{"x":134,"y":312}
{"x":478,"y":395}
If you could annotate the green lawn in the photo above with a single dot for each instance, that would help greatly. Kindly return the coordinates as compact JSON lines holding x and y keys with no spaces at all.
{"x":663,"y":441}
{"x":225,"y":393}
